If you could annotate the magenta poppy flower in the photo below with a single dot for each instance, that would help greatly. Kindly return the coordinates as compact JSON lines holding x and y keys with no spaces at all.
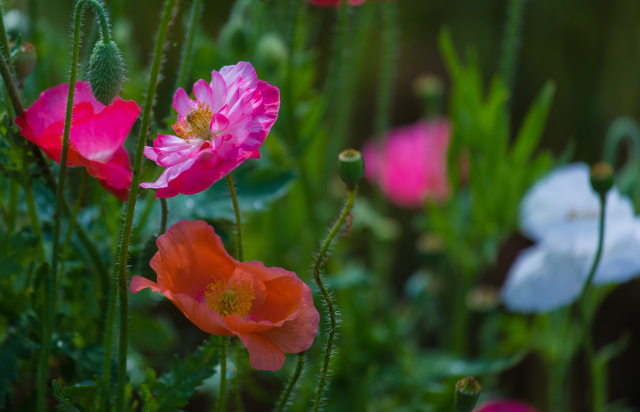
{"x":96,"y":138}
{"x":222,"y":128}
{"x":504,"y":405}
{"x":411,"y":164}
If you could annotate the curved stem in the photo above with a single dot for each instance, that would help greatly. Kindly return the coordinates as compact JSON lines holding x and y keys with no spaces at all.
{"x":51,"y":286}
{"x":223,"y":374}
{"x":236,"y":209}
{"x":185,"y":58}
{"x":284,"y":398}
{"x":317,"y":268}
{"x":123,"y":249}
{"x":596,"y":381}
{"x":619,"y":129}
{"x":4,"y":40}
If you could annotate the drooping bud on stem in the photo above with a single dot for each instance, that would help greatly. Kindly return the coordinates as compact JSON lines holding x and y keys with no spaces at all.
{"x":601,"y":178}
{"x":430,"y":89}
{"x":467,"y":394}
{"x":106,"y":71}
{"x":350,"y":167}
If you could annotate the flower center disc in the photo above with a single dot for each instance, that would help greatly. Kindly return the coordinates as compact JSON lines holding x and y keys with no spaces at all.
{"x":196,"y":123}
{"x":230,"y":298}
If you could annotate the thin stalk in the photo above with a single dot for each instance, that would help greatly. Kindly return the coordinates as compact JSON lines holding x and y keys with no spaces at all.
{"x":165,"y":213}
{"x":4,"y":40}
{"x":223,"y":374}
{"x":598,"y":386}
{"x":33,"y":214}
{"x":317,"y":267}
{"x":72,"y":220}
{"x":51,"y":286}
{"x":123,"y":250}
{"x":284,"y":397}
{"x":236,"y":209}
{"x":185,"y":58}
{"x":511,"y":41}
{"x":295,"y":12}
{"x":13,"y":205}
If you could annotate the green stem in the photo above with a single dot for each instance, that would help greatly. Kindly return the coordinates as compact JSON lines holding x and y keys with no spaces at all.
{"x":50,"y":290}
{"x":284,"y":398}
{"x":317,"y":268}
{"x":185,"y":58}
{"x":598,"y":386}
{"x":10,"y":85}
{"x":4,"y":40}
{"x":72,"y":219}
{"x":165,"y":213}
{"x":239,"y":407}
{"x":511,"y":41}
{"x":236,"y":209}
{"x":123,"y":249}
{"x":295,"y":12}
{"x":33,"y":214}
{"x":223,"y":374}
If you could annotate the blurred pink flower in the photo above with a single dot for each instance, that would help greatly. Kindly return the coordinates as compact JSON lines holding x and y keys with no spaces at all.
{"x":222,"y":128}
{"x":411,"y":165}
{"x":504,"y":405}
{"x":96,"y":138}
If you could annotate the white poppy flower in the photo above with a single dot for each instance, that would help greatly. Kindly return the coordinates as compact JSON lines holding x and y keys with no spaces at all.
{"x":561,"y":212}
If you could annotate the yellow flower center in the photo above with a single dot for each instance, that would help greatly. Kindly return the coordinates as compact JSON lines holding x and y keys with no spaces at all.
{"x":196,"y":123}
{"x":230,"y":298}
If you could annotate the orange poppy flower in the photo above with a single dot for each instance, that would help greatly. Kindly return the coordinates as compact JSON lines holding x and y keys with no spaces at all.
{"x":270,"y":309}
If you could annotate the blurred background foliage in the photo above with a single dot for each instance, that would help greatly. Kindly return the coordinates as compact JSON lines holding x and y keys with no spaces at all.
{"x":407,"y":335}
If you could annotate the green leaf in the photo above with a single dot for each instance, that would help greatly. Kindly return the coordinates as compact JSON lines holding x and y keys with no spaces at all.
{"x":255,"y":190}
{"x":173,"y":389}
{"x":533,"y":125}
{"x":439,"y":365}
{"x":65,"y":405}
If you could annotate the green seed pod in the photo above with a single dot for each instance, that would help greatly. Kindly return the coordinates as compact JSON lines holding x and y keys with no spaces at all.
{"x":601,"y":178}
{"x":350,"y":167}
{"x":467,"y":394}
{"x":106,"y":72}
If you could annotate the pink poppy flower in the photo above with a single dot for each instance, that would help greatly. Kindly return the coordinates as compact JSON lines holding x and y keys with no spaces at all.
{"x":411,"y":165}
{"x":222,"y":128}
{"x":504,"y":405}
{"x":96,"y":138}
{"x":270,"y":309}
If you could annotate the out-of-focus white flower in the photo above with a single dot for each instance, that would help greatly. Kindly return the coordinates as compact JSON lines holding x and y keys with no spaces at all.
{"x":561,"y":212}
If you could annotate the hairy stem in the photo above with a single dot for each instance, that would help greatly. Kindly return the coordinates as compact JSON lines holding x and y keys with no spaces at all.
{"x":223,"y":375}
{"x":286,"y":393}
{"x":598,"y":386}
{"x":51,"y":285}
{"x":236,"y":209}
{"x":317,"y":269}
{"x":123,"y":249}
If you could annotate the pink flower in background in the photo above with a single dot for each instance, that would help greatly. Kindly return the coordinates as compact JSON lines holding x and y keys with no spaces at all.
{"x":411,"y":165}
{"x":504,"y":405}
{"x":96,"y":138}
{"x":222,"y":128}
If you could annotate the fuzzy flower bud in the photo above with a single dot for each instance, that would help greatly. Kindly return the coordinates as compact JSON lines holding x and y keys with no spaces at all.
{"x":106,"y":72}
{"x":25,"y":60}
{"x":467,"y":394}
{"x":601,"y":178}
{"x":350,"y":167}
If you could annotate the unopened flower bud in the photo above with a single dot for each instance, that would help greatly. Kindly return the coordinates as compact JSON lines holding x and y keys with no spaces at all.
{"x":601,"y":178}
{"x":25,"y":60}
{"x":271,"y":52}
{"x":430,"y":89}
{"x":106,"y":72}
{"x":350,"y":167}
{"x":467,"y":394}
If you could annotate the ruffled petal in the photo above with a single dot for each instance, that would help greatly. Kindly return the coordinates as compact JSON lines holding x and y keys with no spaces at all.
{"x":263,"y":354}
{"x":244,"y":69}
{"x":182,"y":103}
